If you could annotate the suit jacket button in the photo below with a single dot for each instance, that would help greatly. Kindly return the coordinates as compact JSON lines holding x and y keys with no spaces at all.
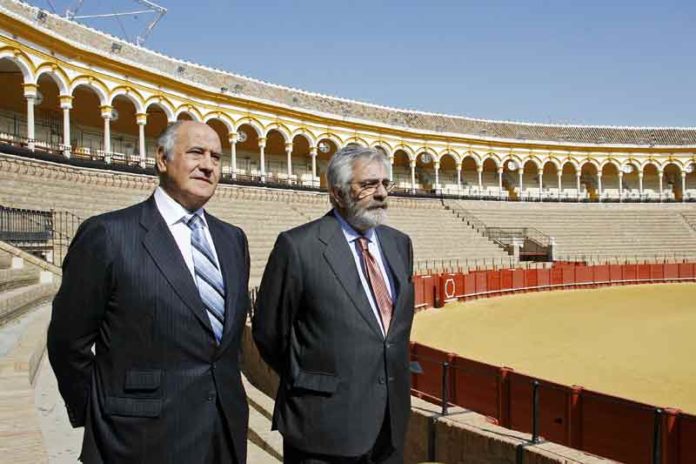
{"x":381,"y":380}
{"x":211,"y":396}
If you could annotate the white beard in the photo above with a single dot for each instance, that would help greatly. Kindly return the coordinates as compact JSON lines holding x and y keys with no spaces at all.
{"x":363,"y":219}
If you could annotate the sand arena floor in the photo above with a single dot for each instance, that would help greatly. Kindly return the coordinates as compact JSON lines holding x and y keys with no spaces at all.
{"x":636,"y":342}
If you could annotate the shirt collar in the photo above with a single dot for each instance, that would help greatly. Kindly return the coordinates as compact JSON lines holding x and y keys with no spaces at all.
{"x":352,"y":234}
{"x":172,"y":212}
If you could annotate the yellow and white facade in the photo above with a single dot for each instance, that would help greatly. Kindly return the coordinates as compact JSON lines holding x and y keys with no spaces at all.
{"x":93,"y":95}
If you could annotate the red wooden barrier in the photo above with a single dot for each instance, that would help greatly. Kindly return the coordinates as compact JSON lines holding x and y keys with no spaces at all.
{"x":556,"y":275}
{"x":543,"y":277}
{"x":506,"y":279}
{"x":469,"y":284}
{"x":686,"y":270}
{"x":686,"y":440}
{"x":481,"y":282}
{"x":475,"y":386}
{"x":601,"y":273}
{"x":584,"y":274}
{"x":671,"y":271}
{"x":630,"y":272}
{"x":554,"y":400}
{"x":616,"y":428}
{"x":518,"y":279}
{"x":493,"y":281}
{"x":531,"y":278}
{"x":616,"y":272}
{"x":419,"y":300}
{"x":430,"y":360}
{"x":643,"y":272}
{"x":657,"y":271}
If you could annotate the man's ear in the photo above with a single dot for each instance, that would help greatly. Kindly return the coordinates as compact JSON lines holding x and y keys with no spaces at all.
{"x":337,"y":194}
{"x":161,"y":160}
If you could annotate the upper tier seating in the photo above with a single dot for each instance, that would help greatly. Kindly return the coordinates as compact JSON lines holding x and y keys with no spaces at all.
{"x":598,"y":231}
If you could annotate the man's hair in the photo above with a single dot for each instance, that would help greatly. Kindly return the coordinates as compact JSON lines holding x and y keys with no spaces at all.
{"x":339,"y":173}
{"x":167,"y":138}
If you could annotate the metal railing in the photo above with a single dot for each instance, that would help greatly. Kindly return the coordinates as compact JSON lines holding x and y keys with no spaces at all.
{"x":45,"y":234}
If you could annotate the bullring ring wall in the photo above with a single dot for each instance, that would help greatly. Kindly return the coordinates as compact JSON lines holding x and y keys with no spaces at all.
{"x":81,"y":93}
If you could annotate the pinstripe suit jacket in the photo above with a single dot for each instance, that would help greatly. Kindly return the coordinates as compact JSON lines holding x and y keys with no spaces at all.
{"x":157,"y":379}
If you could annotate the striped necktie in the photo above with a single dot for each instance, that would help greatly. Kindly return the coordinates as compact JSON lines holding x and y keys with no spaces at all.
{"x":211,"y":287}
{"x":377,"y":284}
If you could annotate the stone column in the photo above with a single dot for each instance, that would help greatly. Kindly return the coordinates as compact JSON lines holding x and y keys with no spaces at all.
{"x":436,"y":165}
{"x":540,"y":174}
{"x":659,"y":179}
{"x":559,"y":173}
{"x":520,"y":175}
{"x":683,"y":186}
{"x":500,"y":179}
{"x":599,"y":185}
{"x":391,"y":167}
{"x":233,"y":137}
{"x":620,"y":185}
{"x":66,"y":106}
{"x":262,"y":158}
{"x":30,"y":93}
{"x":412,"y":164}
{"x":288,"y":152}
{"x":578,"y":174}
{"x":479,"y":172}
{"x":459,"y":177}
{"x":313,"y":155}
{"x":141,"y":120}
{"x":640,"y":183}
{"x":106,"y":114}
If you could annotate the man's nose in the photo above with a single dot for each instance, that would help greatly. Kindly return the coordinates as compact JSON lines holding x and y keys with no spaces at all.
{"x":381,"y":192}
{"x":206,"y":163}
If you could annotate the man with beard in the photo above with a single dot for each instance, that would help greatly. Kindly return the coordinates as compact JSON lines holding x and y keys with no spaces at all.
{"x":333,"y":319}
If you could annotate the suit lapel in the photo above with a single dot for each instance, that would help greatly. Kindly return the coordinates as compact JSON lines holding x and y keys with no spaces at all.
{"x":395,"y":262}
{"x":231,"y":264}
{"x":341,"y":261}
{"x":162,"y":247}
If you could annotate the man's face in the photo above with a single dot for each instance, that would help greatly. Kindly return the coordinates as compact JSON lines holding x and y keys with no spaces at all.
{"x":192,"y":172}
{"x":366,"y":205}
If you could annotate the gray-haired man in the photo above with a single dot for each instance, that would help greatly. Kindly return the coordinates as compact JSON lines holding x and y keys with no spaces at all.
{"x":159,"y":290}
{"x":334,"y":318}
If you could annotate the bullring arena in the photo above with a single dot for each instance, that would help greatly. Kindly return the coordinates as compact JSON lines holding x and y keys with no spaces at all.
{"x":522,"y":231}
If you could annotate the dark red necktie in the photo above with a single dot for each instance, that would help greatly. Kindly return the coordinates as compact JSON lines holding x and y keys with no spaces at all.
{"x":377,"y":283}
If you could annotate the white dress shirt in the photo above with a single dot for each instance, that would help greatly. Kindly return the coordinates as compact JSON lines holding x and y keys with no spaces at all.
{"x":375,"y":250}
{"x":176,"y":216}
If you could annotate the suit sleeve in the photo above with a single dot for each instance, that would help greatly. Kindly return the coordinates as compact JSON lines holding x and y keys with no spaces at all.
{"x":78,"y":309}
{"x":277,"y":303}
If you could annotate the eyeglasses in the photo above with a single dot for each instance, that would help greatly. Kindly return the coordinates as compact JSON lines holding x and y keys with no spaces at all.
{"x":370,"y":187}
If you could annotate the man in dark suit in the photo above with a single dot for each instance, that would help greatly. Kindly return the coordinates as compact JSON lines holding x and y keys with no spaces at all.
{"x":159,"y":290}
{"x":333,"y":319}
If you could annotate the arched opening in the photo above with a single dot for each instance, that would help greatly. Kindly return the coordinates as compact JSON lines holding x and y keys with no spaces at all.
{"x":48,"y":117}
{"x":276,"y":157}
{"x":157,"y":122}
{"x":448,"y":174}
{"x":185,"y":116}
{"x":248,"y":152}
{"x":489,"y":177}
{"x":631,"y":181}
{"x":530,"y":181}
{"x":301,"y":160}
{"x":511,"y":181}
{"x":569,"y":184}
{"x":588,"y":181}
{"x":13,"y":105}
{"x":87,"y":125}
{"x":651,"y":182}
{"x":672,"y":184}
{"x":469,"y":176}
{"x":551,"y":187}
{"x":425,"y":170}
{"x":401,"y":170}
{"x":223,"y":132}
{"x":124,"y":128}
{"x":325,"y":150}
{"x":610,"y":182}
